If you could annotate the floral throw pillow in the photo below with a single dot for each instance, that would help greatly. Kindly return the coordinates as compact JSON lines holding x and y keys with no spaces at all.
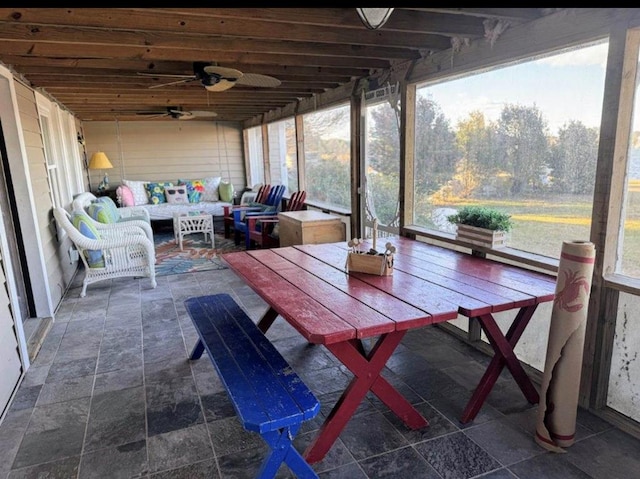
{"x":195,"y":189}
{"x":155,"y":192}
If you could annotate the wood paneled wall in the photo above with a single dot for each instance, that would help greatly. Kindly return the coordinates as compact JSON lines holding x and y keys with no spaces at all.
{"x":167,"y":151}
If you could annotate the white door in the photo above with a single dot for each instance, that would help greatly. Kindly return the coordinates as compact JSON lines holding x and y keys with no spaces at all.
{"x":10,"y":364}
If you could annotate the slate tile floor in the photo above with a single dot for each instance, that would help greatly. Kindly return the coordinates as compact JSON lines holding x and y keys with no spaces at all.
{"x":112,"y":395}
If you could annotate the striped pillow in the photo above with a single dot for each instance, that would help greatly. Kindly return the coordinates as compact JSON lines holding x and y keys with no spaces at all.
{"x":95,"y":258}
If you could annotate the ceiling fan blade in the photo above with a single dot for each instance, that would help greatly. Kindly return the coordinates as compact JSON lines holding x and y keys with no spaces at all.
{"x":255,"y":79}
{"x":229,"y":73}
{"x":222,"y":85}
{"x":151,"y":114}
{"x":177,"y":82}
{"x":163,"y":75}
{"x":184,"y":115}
{"x":203,"y":113}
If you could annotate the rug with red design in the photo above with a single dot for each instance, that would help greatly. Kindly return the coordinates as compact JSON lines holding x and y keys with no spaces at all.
{"x":197,"y":254}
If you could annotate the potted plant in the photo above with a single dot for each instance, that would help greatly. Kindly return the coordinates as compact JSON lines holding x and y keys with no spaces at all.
{"x":482,"y":226}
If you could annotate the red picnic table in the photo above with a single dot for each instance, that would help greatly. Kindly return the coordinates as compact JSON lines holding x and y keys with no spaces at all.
{"x":307,"y":286}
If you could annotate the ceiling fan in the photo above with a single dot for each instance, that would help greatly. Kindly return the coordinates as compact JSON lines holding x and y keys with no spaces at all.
{"x":215,"y":78}
{"x":178,"y":114}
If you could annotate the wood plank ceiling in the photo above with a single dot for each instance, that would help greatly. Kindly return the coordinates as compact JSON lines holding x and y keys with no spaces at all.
{"x":90,"y":59}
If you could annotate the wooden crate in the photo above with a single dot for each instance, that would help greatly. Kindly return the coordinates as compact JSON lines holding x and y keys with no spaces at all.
{"x":481,"y":236}
{"x":369,"y":263}
{"x":310,"y":227}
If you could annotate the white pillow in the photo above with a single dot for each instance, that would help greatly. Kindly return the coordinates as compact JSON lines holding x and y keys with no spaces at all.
{"x":138,"y":190}
{"x":211,"y":184}
{"x":176,"y":194}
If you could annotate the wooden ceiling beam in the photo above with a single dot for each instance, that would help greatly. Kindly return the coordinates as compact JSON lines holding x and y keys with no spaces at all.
{"x":61,"y":50}
{"x":41,"y":65}
{"x":90,"y":37}
{"x":150,"y":20}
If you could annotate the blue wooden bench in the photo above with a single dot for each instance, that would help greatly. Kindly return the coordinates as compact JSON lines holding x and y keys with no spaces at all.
{"x":267,"y":394}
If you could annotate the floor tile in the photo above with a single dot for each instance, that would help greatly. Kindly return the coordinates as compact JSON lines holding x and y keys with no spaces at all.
{"x":117,"y":417}
{"x":55,"y":431}
{"x":179,"y":448}
{"x":119,"y":462}
{"x":456,"y":456}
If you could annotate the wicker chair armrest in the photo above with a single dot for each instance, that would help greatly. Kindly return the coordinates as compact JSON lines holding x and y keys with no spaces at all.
{"x":123,"y":225}
{"x":132,"y":211}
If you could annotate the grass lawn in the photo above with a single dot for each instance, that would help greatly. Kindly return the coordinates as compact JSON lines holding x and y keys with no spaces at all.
{"x":542,"y":223}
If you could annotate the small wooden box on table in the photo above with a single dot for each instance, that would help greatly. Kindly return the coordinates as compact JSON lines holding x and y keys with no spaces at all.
{"x":310,"y":227}
{"x":267,"y":394}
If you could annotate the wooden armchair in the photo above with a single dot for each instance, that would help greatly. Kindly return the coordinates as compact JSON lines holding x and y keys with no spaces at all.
{"x":114,"y":251}
{"x":263,"y":230}
{"x":260,"y":197}
{"x":270,"y":207}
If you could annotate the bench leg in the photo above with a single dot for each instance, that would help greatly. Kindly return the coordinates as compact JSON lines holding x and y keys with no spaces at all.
{"x":282,"y":450}
{"x":198,"y":349}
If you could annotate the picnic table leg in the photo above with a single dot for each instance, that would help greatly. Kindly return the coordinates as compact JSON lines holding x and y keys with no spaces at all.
{"x":504,"y":356}
{"x":267,"y":320}
{"x":367,"y":377}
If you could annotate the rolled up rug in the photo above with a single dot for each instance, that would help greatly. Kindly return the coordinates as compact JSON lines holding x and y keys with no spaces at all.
{"x":556,"y":420}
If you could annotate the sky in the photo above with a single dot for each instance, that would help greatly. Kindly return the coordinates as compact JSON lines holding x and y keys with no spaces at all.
{"x":564,"y":87}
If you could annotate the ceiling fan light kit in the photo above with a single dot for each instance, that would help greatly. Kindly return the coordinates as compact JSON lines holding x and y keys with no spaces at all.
{"x":374,"y":18}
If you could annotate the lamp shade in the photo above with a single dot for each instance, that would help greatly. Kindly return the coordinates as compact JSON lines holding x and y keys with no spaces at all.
{"x":99,"y":161}
{"x":374,"y":17}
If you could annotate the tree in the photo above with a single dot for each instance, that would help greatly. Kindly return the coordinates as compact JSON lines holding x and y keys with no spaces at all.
{"x":436,"y":151}
{"x":523,"y":145}
{"x":574,"y":158}
{"x":475,"y":141}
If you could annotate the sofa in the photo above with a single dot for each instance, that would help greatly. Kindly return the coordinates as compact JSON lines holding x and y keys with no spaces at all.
{"x":161,"y":199}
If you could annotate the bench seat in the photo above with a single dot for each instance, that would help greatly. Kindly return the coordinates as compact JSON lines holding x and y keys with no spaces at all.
{"x":268,"y":396}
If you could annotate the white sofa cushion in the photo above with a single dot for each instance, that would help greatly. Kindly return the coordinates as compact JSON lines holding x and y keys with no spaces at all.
{"x":139,"y":191}
{"x":211,"y":184}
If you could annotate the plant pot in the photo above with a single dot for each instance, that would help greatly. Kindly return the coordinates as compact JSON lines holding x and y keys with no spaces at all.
{"x":481,"y":236}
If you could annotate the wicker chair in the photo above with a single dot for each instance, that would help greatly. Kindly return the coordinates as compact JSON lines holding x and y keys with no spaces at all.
{"x":124,"y":250}
{"x":83,"y":200}
{"x":120,"y":216}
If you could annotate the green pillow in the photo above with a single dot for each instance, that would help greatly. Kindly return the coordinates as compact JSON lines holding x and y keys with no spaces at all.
{"x":94,"y":258}
{"x":109,"y":203}
{"x":101,"y":213}
{"x":225,"y":190}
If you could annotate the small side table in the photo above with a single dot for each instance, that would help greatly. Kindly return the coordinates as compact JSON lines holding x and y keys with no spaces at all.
{"x":192,"y":222}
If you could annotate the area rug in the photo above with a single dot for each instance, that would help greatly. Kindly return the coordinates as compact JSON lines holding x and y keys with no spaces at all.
{"x":196,"y":256}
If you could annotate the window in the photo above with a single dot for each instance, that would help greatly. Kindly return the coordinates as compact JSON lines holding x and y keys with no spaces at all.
{"x":283,"y":158}
{"x":56,"y":168}
{"x":629,"y":258}
{"x":522,"y":138}
{"x":381,"y":154}
{"x":255,"y":170}
{"x":327,"y":156}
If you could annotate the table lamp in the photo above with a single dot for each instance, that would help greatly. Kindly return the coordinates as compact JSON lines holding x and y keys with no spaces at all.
{"x":99,"y":161}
